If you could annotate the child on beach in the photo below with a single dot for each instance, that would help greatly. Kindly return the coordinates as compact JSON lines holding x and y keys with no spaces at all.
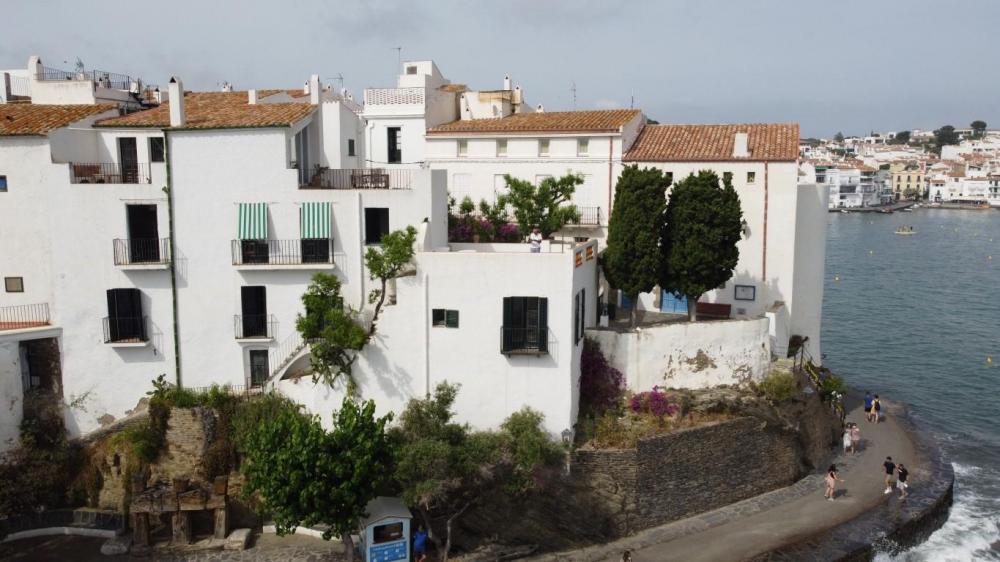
{"x":847,"y":438}
{"x":855,"y":438}
{"x":831,"y":482}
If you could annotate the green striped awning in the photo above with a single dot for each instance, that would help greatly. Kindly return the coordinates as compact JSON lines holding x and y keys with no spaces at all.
{"x":252,"y":224}
{"x":314,"y":219}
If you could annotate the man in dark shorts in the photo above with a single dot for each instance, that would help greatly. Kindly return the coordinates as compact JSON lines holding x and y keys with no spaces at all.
{"x":868,"y":405}
{"x":903,"y":486}
{"x":890,"y":480}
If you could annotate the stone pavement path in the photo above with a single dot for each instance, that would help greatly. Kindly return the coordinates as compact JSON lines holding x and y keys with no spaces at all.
{"x":760,"y":524}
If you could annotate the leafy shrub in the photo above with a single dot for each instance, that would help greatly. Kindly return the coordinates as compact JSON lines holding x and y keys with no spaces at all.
{"x":779,"y":386}
{"x":830,"y":385}
{"x":601,"y":385}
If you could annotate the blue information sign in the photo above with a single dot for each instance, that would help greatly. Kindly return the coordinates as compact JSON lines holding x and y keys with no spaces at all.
{"x":387,"y":552}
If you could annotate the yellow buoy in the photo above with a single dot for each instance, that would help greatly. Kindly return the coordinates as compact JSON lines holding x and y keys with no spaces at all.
{"x":989,"y":359}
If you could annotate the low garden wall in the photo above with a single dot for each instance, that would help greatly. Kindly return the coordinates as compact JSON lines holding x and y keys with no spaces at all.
{"x":688,"y":354}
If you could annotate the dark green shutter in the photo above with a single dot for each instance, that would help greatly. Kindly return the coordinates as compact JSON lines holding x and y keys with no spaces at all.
{"x":451,"y":318}
{"x":543,"y":324}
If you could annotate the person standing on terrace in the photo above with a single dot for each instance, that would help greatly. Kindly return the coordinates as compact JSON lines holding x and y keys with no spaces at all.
{"x":535,"y":240}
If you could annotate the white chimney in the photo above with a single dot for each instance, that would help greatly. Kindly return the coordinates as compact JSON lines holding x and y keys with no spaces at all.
{"x":540,"y":109}
{"x":176,"y":100}
{"x":314,"y":89}
{"x":305,"y":87}
{"x":35,"y":67}
{"x":5,"y":87}
{"x":506,"y":82}
{"x":252,"y":97}
{"x":740,"y":146}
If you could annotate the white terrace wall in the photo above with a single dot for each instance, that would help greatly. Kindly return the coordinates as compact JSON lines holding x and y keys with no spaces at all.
{"x":688,"y":355}
{"x":11,"y":391}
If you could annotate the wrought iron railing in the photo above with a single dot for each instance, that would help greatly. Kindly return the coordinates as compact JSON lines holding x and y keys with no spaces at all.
{"x":367,"y":178}
{"x":125,"y":329}
{"x":240,"y":391}
{"x":103,"y":78}
{"x":108,"y":172}
{"x":589,"y":216}
{"x":250,"y":326}
{"x":514,"y":340}
{"x":139,"y":251}
{"x":24,"y":316}
{"x":283,"y":252}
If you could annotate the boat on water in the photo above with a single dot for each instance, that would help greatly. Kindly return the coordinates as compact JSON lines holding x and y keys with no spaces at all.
{"x":845,"y":211}
{"x":905,"y":231}
{"x":908,"y":210}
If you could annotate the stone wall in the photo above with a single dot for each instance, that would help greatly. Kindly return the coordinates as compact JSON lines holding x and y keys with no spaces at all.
{"x":699,"y":469}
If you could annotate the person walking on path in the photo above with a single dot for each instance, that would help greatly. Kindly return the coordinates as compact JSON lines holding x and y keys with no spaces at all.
{"x":846,"y":439}
{"x":420,"y":544}
{"x":535,"y":240}
{"x":855,"y":438}
{"x":876,"y":408}
{"x":831,"y":482}
{"x":868,"y":405}
{"x":903,"y":486}
{"x":890,"y":469}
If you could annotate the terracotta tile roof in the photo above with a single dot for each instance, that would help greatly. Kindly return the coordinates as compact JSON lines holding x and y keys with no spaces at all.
{"x":598,"y":121}
{"x":714,"y":143}
{"x":216,"y":110}
{"x":31,"y":119}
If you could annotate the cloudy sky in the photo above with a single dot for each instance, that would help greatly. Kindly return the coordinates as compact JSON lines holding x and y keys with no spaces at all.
{"x":845,"y":65}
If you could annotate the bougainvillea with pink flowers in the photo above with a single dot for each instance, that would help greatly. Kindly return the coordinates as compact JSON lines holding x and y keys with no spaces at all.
{"x":656,"y":402}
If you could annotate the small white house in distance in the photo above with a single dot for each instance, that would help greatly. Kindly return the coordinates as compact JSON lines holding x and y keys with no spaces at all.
{"x":782,"y":254}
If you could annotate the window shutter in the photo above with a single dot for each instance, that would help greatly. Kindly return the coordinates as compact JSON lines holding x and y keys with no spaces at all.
{"x":451,"y":318}
{"x":576,"y":318}
{"x":583,"y":312}
{"x":508,"y":313}
{"x":543,"y":324}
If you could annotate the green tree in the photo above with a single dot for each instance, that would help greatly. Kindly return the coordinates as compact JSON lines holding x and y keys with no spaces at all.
{"x":839,"y":137}
{"x":545,"y":206}
{"x":306,"y":476}
{"x":902,"y":137}
{"x":632,"y":260}
{"x":978,"y":128}
{"x":444,"y":469}
{"x":702,"y":225}
{"x":329,"y":327}
{"x":386,"y":263}
{"x":944,"y":136}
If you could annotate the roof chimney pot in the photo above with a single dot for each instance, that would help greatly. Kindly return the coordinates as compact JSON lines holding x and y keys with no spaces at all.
{"x":176,"y":99}
{"x":252,"y":97}
{"x":314,"y":89}
{"x":740,"y":149}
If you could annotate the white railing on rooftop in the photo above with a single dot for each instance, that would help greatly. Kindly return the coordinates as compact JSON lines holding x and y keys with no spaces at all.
{"x":394,"y":96}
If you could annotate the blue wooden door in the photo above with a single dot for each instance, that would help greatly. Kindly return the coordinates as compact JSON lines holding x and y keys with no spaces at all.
{"x":672,"y":304}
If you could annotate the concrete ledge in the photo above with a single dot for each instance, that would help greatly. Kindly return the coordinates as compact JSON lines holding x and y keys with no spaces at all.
{"x":270,"y":529}
{"x":49,"y":531}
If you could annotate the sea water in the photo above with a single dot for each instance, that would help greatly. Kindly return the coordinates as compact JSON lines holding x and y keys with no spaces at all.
{"x":917,"y":319}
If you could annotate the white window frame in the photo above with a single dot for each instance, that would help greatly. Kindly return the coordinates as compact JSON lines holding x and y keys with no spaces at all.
{"x":462,"y":150}
{"x":501,"y":153}
{"x":751,"y":177}
{"x":548,"y":147}
{"x":583,"y":146}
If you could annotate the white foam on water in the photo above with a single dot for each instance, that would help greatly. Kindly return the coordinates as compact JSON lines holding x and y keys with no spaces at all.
{"x":972,"y":527}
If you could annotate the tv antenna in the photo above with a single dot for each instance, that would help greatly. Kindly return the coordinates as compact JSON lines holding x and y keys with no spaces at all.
{"x":339,"y":78}
{"x":572,"y":89}
{"x":399,"y":57}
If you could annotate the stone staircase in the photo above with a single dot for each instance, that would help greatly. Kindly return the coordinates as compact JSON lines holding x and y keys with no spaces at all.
{"x":287,"y":351}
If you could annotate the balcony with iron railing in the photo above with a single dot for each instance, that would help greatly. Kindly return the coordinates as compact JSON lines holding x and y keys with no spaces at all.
{"x":23,"y":317}
{"x":589,"y":216}
{"x":101,"y":78}
{"x":305,"y":253}
{"x":519,"y":340}
{"x":108,"y":172}
{"x":364,"y":178}
{"x":255,"y":326}
{"x":142,"y":253}
{"x":125,"y":331}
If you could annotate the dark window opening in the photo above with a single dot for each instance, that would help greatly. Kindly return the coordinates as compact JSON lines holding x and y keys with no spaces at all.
{"x":258,"y":367}
{"x":315,"y":250}
{"x":143,"y":234}
{"x":376,"y":224}
{"x":525,"y":325}
{"x":13,"y":284}
{"x":580,"y":315}
{"x":253,"y":323}
{"x":387,"y":533}
{"x":156,"y":149}
{"x":128,"y":157}
{"x":254,"y":251}
{"x":125,"y":322}
{"x":394,"y":142}
{"x":350,"y":147}
{"x":3,"y":183}
{"x":444,"y":318}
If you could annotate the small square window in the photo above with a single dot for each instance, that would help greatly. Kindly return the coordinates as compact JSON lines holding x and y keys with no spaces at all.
{"x":502,"y":147}
{"x":443,"y":318}
{"x":156,"y":149}
{"x":582,"y":147}
{"x":463,"y":148}
{"x":411,"y":70}
{"x":751,"y":177}
{"x":350,"y":147}
{"x":543,"y":147}
{"x":3,"y":183}
{"x":14,"y":284}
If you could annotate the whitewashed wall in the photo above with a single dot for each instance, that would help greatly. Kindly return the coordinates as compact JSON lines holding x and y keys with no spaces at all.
{"x":688,"y":355}
{"x":11,"y":393}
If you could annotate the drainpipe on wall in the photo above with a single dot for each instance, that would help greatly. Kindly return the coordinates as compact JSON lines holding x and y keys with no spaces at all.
{"x":427,"y":338}
{"x":173,"y":258}
{"x":611,"y":153}
{"x":764,"y":256}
